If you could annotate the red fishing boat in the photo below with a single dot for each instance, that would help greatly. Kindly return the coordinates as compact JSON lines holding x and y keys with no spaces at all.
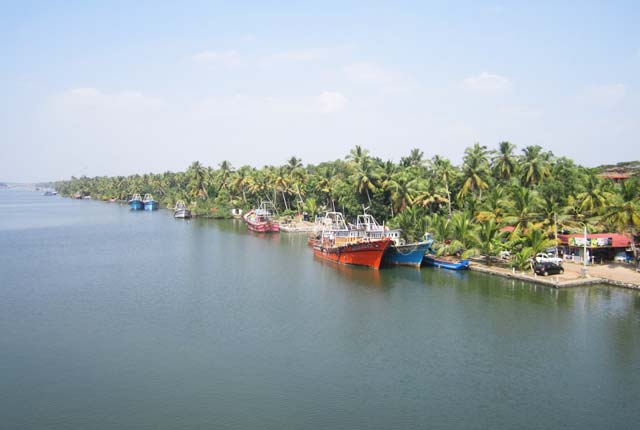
{"x":261,"y":220}
{"x":347,"y":246}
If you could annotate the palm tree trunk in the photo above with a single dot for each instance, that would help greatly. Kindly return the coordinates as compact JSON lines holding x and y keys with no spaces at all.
{"x":446,"y":186}
{"x":285,"y":201}
{"x":368,"y":197}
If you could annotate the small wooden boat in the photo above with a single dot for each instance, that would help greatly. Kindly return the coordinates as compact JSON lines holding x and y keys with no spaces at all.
{"x":430,"y":260}
{"x":181,"y":211}
{"x":149,"y":203}
{"x":136,"y":203}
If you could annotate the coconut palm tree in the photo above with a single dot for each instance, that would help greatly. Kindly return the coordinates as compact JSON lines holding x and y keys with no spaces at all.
{"x":401,"y":188}
{"x":294,"y":163}
{"x":224,"y":172}
{"x":444,"y":171}
{"x":357,"y":154}
{"x":624,"y":216}
{"x":523,"y":209}
{"x":365,"y":177}
{"x":475,"y":171}
{"x":240,"y":181}
{"x":429,"y":194}
{"x":504,"y":162}
{"x":197,"y":187}
{"x":413,"y":160}
{"x":488,"y":239}
{"x":535,"y":165}
{"x":595,"y":196}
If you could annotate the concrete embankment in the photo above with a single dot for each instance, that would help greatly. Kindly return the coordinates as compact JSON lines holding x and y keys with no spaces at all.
{"x":568,"y":280}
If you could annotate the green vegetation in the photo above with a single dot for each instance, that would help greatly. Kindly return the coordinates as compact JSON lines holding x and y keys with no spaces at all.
{"x":465,"y":207}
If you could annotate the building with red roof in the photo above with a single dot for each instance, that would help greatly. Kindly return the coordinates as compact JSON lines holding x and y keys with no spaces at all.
{"x":600,"y":247}
{"x":615,"y":176}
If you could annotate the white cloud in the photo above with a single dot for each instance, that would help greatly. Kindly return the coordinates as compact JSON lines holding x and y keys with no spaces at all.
{"x":302,"y":55}
{"x":607,"y":95}
{"x":487,"y":83}
{"x":243,"y":106}
{"x":121,"y":101}
{"x":368,"y":73}
{"x":224,"y":58}
{"x":332,"y":102}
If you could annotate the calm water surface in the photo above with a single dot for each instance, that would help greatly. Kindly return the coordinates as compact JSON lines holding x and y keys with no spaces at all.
{"x":111,"y":319}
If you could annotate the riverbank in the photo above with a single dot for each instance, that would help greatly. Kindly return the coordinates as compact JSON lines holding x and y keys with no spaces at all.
{"x":611,"y":274}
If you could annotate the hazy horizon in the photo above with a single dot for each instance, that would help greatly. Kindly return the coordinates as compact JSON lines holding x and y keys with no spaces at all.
{"x":123,"y":88}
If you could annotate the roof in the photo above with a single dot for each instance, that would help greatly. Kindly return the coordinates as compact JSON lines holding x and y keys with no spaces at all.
{"x":618,"y":240}
{"x":615,"y":175}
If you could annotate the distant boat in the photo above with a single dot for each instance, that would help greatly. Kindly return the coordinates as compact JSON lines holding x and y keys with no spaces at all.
{"x":50,"y":193}
{"x":149,"y":203}
{"x":430,"y":260}
{"x":136,"y":203}
{"x":181,"y":211}
{"x":261,"y":220}
{"x":77,"y":196}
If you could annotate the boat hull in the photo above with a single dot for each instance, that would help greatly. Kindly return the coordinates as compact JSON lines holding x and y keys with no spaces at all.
{"x":368,"y":254}
{"x":182,"y":214}
{"x":406,"y":255}
{"x":136,"y":205}
{"x":434,"y":262}
{"x":151,"y":206}
{"x":260,"y":226}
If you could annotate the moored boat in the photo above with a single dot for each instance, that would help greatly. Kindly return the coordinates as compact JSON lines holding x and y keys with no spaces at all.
{"x":411,"y":254}
{"x":430,"y":260}
{"x":149,"y":203}
{"x":348,"y":246}
{"x":181,"y":211}
{"x":261,"y":219}
{"x":136,"y":203}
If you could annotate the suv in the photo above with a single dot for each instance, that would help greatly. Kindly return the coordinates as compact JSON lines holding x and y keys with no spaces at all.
{"x":547,"y":268}
{"x":543,"y":257}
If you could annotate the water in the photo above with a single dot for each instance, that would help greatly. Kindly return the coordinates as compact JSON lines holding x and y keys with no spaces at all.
{"x":111,"y":319}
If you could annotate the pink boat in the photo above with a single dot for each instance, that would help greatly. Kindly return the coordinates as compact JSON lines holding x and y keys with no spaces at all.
{"x":260,"y":220}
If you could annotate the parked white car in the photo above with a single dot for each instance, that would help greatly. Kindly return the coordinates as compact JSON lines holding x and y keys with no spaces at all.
{"x":542,"y":257}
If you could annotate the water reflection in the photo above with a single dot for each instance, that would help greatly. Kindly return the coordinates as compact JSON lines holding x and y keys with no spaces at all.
{"x":360,"y":276}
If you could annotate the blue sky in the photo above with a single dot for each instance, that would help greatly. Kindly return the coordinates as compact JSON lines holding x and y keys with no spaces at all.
{"x":131,"y":87}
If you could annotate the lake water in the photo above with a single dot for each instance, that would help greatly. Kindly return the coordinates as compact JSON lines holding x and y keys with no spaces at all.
{"x":111,"y":319}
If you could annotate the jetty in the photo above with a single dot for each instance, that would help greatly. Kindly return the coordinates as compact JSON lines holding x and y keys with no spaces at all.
{"x":614,"y":275}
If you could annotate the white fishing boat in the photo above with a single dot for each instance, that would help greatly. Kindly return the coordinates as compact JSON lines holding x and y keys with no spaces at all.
{"x":181,"y":211}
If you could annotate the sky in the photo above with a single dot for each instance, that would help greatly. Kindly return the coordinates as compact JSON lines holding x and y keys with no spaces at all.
{"x":121,"y":87}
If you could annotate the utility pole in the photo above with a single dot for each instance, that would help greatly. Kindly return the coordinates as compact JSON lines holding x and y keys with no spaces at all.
{"x":584,"y":252}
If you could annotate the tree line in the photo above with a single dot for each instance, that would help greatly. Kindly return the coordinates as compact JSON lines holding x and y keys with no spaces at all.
{"x":464,"y":207}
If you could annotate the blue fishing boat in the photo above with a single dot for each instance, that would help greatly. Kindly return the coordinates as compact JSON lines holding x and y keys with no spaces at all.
{"x":401,"y":254}
{"x":430,"y":260}
{"x":149,"y":203}
{"x":136,"y":203}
